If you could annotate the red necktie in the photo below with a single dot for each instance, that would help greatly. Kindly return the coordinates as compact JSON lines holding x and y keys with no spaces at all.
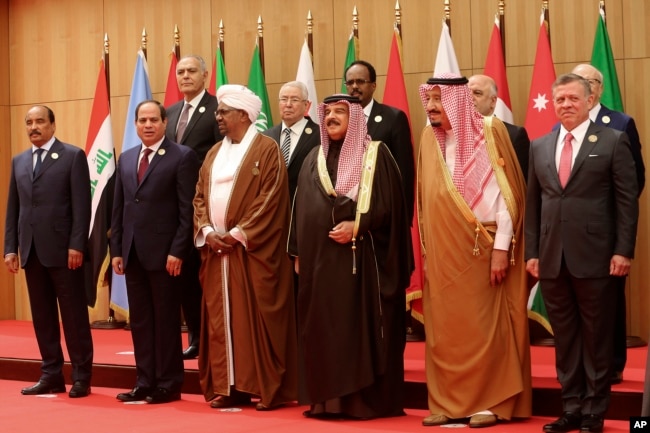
{"x":565,"y":160}
{"x":144,"y":164}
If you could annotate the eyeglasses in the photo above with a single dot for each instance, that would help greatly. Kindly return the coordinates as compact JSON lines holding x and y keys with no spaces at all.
{"x":223,"y":111}
{"x":358,"y":82}
{"x":593,"y":81}
{"x":292,"y":101}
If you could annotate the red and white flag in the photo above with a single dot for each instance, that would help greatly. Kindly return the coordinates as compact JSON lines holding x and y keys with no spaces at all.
{"x":100,"y":153}
{"x":495,"y":67}
{"x":540,"y":116}
{"x":172,"y":92}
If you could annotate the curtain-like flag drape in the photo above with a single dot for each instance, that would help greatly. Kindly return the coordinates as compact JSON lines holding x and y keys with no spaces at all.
{"x":495,"y":67}
{"x":218,"y":77}
{"x":305,"y":74}
{"x":602,"y":59}
{"x":257,"y":84}
{"x":351,"y":55}
{"x":172,"y":92}
{"x":100,"y":153}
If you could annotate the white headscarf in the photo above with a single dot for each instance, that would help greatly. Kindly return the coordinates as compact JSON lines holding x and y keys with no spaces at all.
{"x":241,"y":98}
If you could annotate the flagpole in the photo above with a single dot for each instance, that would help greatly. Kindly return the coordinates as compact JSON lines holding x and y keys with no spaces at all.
{"x":448,"y":14}
{"x":107,"y":69}
{"x":398,"y":18}
{"x":355,"y":30}
{"x":547,"y":20}
{"x":222,"y":44}
{"x":502,"y":26}
{"x":601,"y":7}
{"x":310,"y":36}
{"x":143,"y":42}
{"x":260,"y":42}
{"x":177,"y":42}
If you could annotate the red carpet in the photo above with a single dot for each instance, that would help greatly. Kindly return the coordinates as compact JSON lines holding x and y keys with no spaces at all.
{"x":101,"y":413}
{"x":115,"y":347}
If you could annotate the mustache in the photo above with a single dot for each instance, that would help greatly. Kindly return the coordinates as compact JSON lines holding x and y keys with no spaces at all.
{"x":332,"y":122}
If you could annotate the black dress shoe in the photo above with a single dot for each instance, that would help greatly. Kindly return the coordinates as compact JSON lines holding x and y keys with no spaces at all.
{"x":592,"y":423}
{"x":567,"y":422}
{"x":191,"y":352}
{"x":136,"y":394}
{"x":163,"y":395}
{"x":81,"y":388}
{"x":617,"y":377}
{"x":42,"y":387}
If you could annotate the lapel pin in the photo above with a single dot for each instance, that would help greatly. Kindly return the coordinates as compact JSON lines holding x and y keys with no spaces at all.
{"x":161,"y":152}
{"x":308,"y":130}
{"x":378,"y":118}
{"x":55,"y":155}
{"x":202,"y":110}
{"x":592,"y":138}
{"x":606,"y":120}
{"x":256,"y":171}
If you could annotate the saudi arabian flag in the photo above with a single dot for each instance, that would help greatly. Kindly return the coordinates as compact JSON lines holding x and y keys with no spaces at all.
{"x":602,"y":59}
{"x":351,"y":55}
{"x":257,"y":84}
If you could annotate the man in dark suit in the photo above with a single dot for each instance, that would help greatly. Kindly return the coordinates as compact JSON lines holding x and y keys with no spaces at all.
{"x":303,"y":133}
{"x":151,"y":236}
{"x":48,"y":218}
{"x":580,"y":231}
{"x":199,"y":131}
{"x":602,"y":115}
{"x":385,"y":123}
{"x":484,"y":91}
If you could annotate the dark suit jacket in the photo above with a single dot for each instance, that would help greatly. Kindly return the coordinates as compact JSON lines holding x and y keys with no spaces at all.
{"x":390,"y":125}
{"x":593,"y":217}
{"x":623,"y":122}
{"x":309,"y":139}
{"x":521,"y":144}
{"x":156,"y":216}
{"x":52,"y":211}
{"x":202,"y":131}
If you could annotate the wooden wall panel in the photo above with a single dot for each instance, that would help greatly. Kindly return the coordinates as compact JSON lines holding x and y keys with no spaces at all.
{"x":55,"y":62}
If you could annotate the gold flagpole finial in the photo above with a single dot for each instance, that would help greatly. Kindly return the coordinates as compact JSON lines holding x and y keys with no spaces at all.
{"x":221,"y":30}
{"x":107,"y":44}
{"x":502,"y":8}
{"x":177,"y":36}
{"x":260,"y":27}
{"x":398,"y":15}
{"x":355,"y":19}
{"x":143,"y":41}
{"x":310,"y":23}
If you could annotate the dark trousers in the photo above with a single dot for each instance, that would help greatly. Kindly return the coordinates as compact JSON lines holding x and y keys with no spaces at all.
{"x":581,"y":313}
{"x":191,"y":295}
{"x":62,"y":287}
{"x":154,"y":315}
{"x":620,"y":323}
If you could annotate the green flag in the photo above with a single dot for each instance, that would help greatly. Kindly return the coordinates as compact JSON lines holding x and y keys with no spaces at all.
{"x":537,"y":309}
{"x":218,"y":77}
{"x":257,"y":84}
{"x":350,"y":56}
{"x":603,"y":60}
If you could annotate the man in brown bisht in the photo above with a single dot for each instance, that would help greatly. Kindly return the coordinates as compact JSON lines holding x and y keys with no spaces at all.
{"x":241,"y":222}
{"x":350,"y":235}
{"x":471,"y":197}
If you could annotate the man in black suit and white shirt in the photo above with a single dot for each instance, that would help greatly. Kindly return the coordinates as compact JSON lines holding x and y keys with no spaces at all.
{"x":580,"y":230}
{"x":48,"y":217}
{"x":385,"y":123}
{"x":199,"y":131}
{"x":303,"y":132}
{"x":484,"y":92}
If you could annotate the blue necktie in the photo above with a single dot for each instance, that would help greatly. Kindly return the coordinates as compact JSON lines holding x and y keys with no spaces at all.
{"x":39,"y":156}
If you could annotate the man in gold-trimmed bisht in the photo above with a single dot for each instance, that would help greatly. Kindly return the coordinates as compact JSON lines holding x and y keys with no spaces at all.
{"x":350,"y":236}
{"x":241,"y":222}
{"x":471,"y":196}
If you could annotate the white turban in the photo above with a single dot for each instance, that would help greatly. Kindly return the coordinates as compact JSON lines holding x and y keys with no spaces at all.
{"x":241,"y":98}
